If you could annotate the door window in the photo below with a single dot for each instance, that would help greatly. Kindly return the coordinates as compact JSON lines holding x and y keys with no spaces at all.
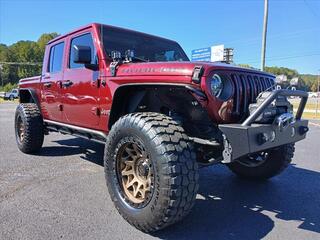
{"x":83,"y":40}
{"x":56,"y":58}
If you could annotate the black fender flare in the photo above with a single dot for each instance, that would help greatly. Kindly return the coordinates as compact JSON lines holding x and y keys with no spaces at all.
{"x":119,"y":95}
{"x":29,"y":95}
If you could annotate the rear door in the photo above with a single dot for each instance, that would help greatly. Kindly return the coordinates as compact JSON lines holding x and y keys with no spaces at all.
{"x":80,"y":89}
{"x":51,"y":82}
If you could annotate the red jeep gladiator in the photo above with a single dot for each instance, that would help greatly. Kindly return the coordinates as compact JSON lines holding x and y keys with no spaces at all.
{"x":159,"y":115}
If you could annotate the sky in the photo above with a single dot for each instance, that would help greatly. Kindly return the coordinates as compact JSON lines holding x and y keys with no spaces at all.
{"x":293,"y":38}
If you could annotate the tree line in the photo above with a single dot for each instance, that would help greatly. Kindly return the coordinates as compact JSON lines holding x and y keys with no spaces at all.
{"x":24,"y":59}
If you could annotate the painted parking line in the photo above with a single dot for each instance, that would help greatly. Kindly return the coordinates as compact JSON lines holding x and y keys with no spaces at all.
{"x":315,"y":124}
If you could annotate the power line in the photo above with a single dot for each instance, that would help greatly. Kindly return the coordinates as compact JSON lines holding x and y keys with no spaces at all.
{"x":285,"y":57}
{"x":22,"y":63}
{"x":311,"y":9}
{"x":256,"y":40}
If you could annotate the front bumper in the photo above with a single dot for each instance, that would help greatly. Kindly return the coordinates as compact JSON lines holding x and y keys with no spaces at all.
{"x":249,"y":137}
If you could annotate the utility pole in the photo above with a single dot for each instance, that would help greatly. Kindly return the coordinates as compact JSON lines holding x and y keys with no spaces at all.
{"x":1,"y":75}
{"x":318,"y":91}
{"x":264,"y":34}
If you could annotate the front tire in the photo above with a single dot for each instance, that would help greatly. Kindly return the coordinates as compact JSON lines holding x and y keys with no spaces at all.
{"x":164,"y":191}
{"x":29,"y":128}
{"x":264,"y":165}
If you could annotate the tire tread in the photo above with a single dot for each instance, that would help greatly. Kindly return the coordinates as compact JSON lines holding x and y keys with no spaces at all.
{"x":34,"y":132}
{"x":179,"y":171}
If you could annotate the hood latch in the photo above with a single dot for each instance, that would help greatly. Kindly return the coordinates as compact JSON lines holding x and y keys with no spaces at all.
{"x":197,"y":74}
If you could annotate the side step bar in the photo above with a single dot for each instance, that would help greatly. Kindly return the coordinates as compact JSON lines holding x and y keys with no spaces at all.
{"x":86,"y":133}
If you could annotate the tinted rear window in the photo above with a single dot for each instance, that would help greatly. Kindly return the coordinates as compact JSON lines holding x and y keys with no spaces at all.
{"x":56,"y":58}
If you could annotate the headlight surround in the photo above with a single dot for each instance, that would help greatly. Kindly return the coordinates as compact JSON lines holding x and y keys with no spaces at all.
{"x":216,"y":85}
{"x":220,"y":85}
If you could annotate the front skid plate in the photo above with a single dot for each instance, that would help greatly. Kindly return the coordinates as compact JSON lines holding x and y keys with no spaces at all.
{"x":242,"y":140}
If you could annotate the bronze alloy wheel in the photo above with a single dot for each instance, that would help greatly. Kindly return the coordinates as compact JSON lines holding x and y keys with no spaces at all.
{"x":151,"y":170}
{"x":135,"y":172}
{"x":20,"y":128}
{"x":28,"y":127}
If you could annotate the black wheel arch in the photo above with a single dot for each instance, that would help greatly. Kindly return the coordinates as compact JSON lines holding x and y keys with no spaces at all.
{"x":154,"y":96}
{"x":29,"y":95}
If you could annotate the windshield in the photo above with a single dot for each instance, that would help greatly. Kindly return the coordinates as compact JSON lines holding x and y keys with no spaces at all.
{"x":145,"y":47}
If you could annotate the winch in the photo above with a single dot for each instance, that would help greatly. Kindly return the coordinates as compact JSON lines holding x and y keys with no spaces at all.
{"x":279,"y":106}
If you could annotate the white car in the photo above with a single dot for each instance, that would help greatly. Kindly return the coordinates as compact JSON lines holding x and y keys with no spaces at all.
{"x":14,"y":93}
{"x":313,"y":94}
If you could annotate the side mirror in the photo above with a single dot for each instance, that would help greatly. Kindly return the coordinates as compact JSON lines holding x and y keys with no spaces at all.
{"x":81,"y":54}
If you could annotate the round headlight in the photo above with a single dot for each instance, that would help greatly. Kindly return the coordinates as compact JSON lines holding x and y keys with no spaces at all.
{"x":216,"y":85}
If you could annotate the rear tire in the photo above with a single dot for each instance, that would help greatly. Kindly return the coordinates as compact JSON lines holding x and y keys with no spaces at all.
{"x":29,"y":128}
{"x":170,"y":159}
{"x":275,"y":162}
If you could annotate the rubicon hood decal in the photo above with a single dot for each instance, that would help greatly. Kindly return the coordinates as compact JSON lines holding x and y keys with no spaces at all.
{"x":172,"y":68}
{"x":159,"y":68}
{"x":184,"y":71}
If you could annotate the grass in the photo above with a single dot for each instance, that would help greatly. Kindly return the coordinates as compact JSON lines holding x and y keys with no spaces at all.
{"x":309,"y":115}
{"x":311,"y":106}
{"x":8,"y":101}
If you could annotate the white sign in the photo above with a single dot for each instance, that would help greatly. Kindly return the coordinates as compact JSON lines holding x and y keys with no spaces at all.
{"x":217,"y":53}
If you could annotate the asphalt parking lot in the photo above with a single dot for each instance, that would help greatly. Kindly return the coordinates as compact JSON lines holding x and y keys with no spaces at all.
{"x":61,"y":193}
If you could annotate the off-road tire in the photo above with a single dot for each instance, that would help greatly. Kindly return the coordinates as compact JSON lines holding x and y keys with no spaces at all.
{"x":33,"y":127}
{"x":277,"y":160}
{"x":175,"y":170}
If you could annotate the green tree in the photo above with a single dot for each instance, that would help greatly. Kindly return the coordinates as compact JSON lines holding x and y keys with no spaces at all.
{"x":290,"y":73}
{"x":44,"y":39}
{"x":8,"y":72}
{"x":28,"y":54}
{"x":245,"y":66}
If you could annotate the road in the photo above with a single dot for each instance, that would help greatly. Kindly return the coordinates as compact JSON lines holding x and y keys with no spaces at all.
{"x":61,"y":193}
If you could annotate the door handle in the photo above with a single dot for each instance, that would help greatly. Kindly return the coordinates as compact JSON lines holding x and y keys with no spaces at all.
{"x":67,"y":83}
{"x":47,"y":84}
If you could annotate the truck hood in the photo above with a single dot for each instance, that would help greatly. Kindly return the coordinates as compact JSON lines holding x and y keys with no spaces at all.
{"x":175,"y":68}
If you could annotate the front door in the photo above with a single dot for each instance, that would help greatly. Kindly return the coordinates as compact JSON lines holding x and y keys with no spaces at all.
{"x":51,"y":83}
{"x":80,"y":90}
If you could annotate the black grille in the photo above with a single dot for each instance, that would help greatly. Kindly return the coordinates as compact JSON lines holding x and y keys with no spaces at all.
{"x":247,"y":87}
